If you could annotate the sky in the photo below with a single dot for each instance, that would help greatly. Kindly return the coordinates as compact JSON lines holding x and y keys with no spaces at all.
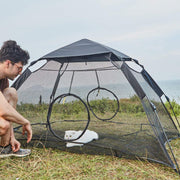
{"x":146,"y":30}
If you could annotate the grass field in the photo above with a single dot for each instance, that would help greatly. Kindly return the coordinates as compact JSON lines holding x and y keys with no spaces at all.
{"x":56,"y":164}
{"x":52,"y":163}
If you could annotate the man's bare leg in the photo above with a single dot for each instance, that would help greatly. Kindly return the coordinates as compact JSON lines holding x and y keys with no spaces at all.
{"x":11,"y":96}
{"x":11,"y":147}
{"x":4,"y":132}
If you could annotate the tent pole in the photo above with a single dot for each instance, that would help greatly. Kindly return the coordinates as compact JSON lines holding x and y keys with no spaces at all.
{"x":172,"y":110}
{"x":57,"y":81}
{"x":71,"y":82}
{"x":177,"y":167}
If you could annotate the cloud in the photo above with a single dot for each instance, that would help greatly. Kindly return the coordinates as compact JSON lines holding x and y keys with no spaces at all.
{"x":147,"y":30}
{"x":153,"y":31}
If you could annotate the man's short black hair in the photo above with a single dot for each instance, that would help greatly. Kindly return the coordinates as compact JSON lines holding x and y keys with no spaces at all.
{"x":12,"y":51}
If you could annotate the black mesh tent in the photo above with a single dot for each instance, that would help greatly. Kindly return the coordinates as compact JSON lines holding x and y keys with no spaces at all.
{"x":124,"y":106}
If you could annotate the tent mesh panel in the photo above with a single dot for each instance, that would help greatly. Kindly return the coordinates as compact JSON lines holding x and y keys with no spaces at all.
{"x":166,"y":121}
{"x":128,"y":132}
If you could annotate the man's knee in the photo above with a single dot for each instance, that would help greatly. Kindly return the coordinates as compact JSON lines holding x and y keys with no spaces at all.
{"x":10,"y":94}
{"x":4,"y":127}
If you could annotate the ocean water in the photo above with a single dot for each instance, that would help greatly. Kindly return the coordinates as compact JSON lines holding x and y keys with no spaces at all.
{"x":171,"y":88}
{"x":31,"y":95}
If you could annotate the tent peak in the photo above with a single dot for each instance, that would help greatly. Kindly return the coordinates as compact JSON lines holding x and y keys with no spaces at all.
{"x":84,"y":48}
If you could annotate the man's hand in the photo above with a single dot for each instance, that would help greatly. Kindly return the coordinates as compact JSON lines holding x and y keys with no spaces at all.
{"x":15,"y":145}
{"x":27,"y":128}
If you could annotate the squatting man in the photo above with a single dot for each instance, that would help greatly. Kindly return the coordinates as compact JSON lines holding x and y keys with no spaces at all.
{"x":12,"y":60}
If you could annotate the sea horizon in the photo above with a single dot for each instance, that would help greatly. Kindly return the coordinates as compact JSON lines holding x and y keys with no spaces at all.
{"x":169,"y":87}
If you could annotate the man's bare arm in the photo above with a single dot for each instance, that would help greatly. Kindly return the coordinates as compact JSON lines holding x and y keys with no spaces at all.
{"x":9,"y":113}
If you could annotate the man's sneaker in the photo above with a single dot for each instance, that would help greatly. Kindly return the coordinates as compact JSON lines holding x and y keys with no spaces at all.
{"x":7,"y":152}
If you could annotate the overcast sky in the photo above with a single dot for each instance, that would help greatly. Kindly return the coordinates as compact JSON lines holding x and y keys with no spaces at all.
{"x":147,"y":30}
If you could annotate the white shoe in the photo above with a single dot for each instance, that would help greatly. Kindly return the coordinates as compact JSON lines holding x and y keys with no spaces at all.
{"x":7,"y":152}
